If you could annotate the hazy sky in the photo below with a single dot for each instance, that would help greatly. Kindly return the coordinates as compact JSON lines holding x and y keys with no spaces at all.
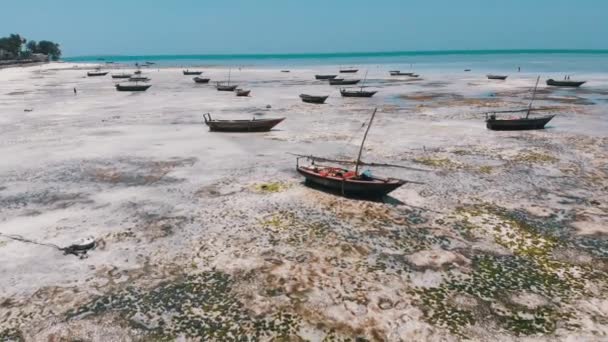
{"x":87,"y":27}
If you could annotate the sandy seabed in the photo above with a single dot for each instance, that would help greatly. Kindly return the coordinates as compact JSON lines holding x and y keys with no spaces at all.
{"x":210,"y":236}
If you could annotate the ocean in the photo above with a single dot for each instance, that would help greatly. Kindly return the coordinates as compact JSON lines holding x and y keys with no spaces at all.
{"x":568,"y":61}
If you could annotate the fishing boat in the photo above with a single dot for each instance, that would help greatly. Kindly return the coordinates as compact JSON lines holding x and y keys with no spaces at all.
{"x":242,"y":92}
{"x":325,"y":77}
{"x":348,"y":182}
{"x":313,"y":99}
{"x":137,"y":72}
{"x":348,"y":71}
{"x":191,"y":73}
{"x":341,"y":81}
{"x":132,"y":87}
{"x":253,"y":125}
{"x":285,"y":71}
{"x":121,"y":75}
{"x":201,"y":80}
{"x":518,"y":123}
{"x":565,"y":83}
{"x":139,"y":79}
{"x":226,"y":87}
{"x":497,"y":77}
{"x":358,"y":93}
{"x":97,"y":73}
{"x":399,"y":73}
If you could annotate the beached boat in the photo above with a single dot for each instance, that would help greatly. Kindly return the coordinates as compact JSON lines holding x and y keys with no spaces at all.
{"x":132,"y":87}
{"x":139,"y":79}
{"x":325,"y":77}
{"x":399,"y":73}
{"x":253,"y":125}
{"x":226,"y":87}
{"x":201,"y":80}
{"x":565,"y":83}
{"x":242,"y":92}
{"x":356,"y":93}
{"x":192,"y":73}
{"x":97,"y":73}
{"x":518,"y":123}
{"x":341,"y":81}
{"x":121,"y":75}
{"x":313,"y":99}
{"x":347,"y":182}
{"x":348,"y":71}
{"x":137,"y":72}
{"x":285,"y":71}
{"x":497,"y":77}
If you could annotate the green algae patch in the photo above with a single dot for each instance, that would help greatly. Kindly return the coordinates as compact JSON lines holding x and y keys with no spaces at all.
{"x":201,"y":306}
{"x":268,"y":188}
{"x":486,"y":169}
{"x":443,"y":163}
{"x":533,"y":157}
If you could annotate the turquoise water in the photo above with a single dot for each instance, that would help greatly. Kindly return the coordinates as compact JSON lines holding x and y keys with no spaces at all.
{"x":588,"y":61}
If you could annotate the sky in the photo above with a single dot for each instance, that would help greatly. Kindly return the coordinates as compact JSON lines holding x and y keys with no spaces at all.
{"x":132,"y":27}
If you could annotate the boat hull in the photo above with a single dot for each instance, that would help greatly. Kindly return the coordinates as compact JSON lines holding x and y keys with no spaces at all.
{"x":518,"y":124}
{"x":243,"y":93}
{"x":325,"y":77}
{"x":343,"y":82}
{"x":263,"y":125}
{"x":192,"y":73}
{"x":313,"y":99}
{"x":132,"y":87}
{"x":226,"y":87}
{"x":346,"y":93}
{"x":399,"y":73}
{"x":496,"y":77}
{"x":349,"y":71}
{"x":570,"y":84}
{"x":122,"y":76}
{"x":96,"y":74}
{"x":201,"y":80}
{"x":375,"y":188}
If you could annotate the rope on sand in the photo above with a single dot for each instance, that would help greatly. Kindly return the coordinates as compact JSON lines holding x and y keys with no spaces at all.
{"x":78,"y":249}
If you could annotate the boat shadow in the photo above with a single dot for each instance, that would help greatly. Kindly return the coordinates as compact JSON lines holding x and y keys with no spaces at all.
{"x":376,"y":199}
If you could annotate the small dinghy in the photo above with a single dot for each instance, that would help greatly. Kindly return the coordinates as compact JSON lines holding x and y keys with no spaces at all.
{"x":253,"y":125}
{"x":242,"y":92}
{"x":325,"y":77}
{"x":201,"y":80}
{"x":313,"y":99}
{"x":497,"y":77}
{"x":97,"y":73}
{"x":341,"y":81}
{"x":192,"y":73}
{"x":565,"y":83}
{"x":121,"y":76}
{"x":132,"y":87}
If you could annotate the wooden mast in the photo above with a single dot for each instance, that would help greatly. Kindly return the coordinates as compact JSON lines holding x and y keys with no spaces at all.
{"x":229,"y":70}
{"x":533,"y":96}
{"x":363,"y":142}
{"x":364,"y":78}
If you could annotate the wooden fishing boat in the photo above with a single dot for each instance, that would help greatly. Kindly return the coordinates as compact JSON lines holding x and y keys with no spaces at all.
{"x":342,"y":81}
{"x":399,"y":73}
{"x":565,"y":83}
{"x":242,"y":92}
{"x":325,"y":77}
{"x":348,"y":182}
{"x":97,"y":73}
{"x":313,"y":99}
{"x":497,"y":77}
{"x":139,"y":79}
{"x":201,"y":80}
{"x":253,"y":125}
{"x":518,"y":123}
{"x":226,"y":87}
{"x":137,"y":72}
{"x":192,"y":73}
{"x":132,"y":87}
{"x":357,"y":93}
{"x":121,"y":75}
{"x":348,"y":71}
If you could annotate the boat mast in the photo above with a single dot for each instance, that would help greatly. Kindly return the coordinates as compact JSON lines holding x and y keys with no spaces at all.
{"x":229,"y":70}
{"x":364,"y":78}
{"x":363,"y":142}
{"x":533,"y":96}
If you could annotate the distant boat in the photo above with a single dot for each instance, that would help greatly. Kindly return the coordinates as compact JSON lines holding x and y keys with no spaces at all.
{"x":242,"y":92}
{"x":399,"y":73}
{"x":201,"y":80}
{"x":227,"y":86}
{"x":253,"y":125}
{"x":342,"y":81}
{"x":313,"y":99}
{"x":467,"y":70}
{"x":519,"y":123}
{"x":192,"y":73}
{"x":137,"y":72}
{"x":565,"y":83}
{"x":348,"y":71}
{"x":132,"y":87}
{"x":356,"y":93}
{"x":121,"y":75}
{"x":139,"y":79}
{"x":97,"y":73}
{"x":150,"y":63}
{"x":285,"y":71}
{"x":347,"y":182}
{"x":497,"y":77}
{"x":325,"y":77}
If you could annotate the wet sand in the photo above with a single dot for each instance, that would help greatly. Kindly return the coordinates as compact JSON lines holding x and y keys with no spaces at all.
{"x":214,"y":236}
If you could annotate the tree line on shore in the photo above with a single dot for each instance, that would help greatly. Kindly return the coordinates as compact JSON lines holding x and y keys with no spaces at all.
{"x":16,"y":47}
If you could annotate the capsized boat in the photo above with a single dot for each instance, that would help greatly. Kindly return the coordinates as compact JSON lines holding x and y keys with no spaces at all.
{"x":348,"y":182}
{"x":313,"y":99}
{"x":253,"y":125}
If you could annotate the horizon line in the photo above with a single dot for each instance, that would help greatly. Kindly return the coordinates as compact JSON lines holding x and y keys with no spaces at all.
{"x":354,"y":54}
